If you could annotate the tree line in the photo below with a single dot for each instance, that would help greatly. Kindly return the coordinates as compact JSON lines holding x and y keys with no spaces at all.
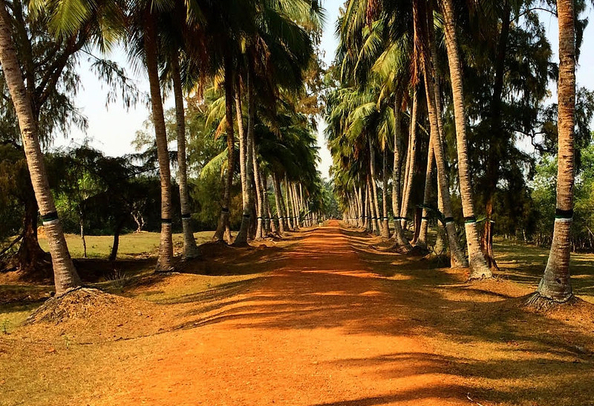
{"x":441,"y":103}
{"x":244,"y":76}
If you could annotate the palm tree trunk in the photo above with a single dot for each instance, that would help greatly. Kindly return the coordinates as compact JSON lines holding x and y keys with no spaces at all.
{"x":359,"y":207}
{"x":260,"y":227}
{"x":374,"y":187}
{"x":422,"y":240}
{"x":165,"y":260}
{"x":457,"y":258}
{"x":190,"y":248}
{"x":278,"y":199}
{"x":288,"y":205}
{"x":410,"y":170}
{"x":223,"y":232}
{"x":245,"y":165}
{"x":478,"y":264}
{"x":555,"y":285}
{"x":440,"y":242}
{"x":82,"y":235}
{"x":398,"y":236}
{"x":65,"y":276}
{"x":385,"y":223}
{"x":366,"y":219}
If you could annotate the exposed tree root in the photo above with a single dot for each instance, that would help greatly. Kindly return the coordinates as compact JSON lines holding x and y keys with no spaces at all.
{"x":541,"y":303}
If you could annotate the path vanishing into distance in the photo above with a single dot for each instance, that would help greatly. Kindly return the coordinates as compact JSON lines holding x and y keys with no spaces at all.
{"x":322,"y":330}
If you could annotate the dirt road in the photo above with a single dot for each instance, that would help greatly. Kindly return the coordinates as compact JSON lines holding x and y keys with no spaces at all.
{"x":320,"y":331}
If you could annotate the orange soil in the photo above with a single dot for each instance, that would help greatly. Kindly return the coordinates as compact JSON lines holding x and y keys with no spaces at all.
{"x":319,"y":331}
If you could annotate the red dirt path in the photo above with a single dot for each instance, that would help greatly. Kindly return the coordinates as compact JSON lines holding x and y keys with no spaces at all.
{"x":322,"y":331}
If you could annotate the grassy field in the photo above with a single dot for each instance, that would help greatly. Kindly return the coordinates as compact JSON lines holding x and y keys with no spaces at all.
{"x":143,"y":244}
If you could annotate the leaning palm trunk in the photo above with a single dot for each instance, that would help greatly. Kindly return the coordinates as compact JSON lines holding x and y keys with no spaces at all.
{"x":478,"y":264}
{"x":365,"y":202}
{"x":65,"y":276}
{"x":297,"y":205}
{"x":165,"y":260}
{"x":287,"y":204}
{"x":190,"y":248}
{"x":457,"y":258}
{"x":422,"y":240}
{"x":359,"y":201}
{"x":385,"y":223}
{"x":410,"y":169}
{"x":398,"y":236}
{"x":555,"y":285}
{"x":372,"y":206}
{"x":261,"y":225}
{"x":278,"y":200}
{"x":223,"y":233}
{"x":374,"y":188}
{"x":246,"y":165}
{"x":440,"y":244}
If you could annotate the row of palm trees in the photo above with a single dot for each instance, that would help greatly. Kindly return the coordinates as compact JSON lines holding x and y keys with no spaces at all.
{"x":259,"y":50}
{"x":400,"y":61}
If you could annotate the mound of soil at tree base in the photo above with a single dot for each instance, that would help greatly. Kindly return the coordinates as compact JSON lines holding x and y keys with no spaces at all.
{"x":89,"y":315}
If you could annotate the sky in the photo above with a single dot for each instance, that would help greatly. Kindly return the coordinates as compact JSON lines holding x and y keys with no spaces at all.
{"x":112,"y":128}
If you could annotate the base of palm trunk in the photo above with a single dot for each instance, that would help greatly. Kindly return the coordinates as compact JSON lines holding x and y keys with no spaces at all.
{"x":191,"y":250}
{"x":539,"y":302}
{"x":63,"y":306}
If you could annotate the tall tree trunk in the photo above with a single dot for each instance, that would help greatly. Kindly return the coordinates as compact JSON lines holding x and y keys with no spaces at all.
{"x":398,"y":236}
{"x":555,"y":285}
{"x":358,"y":194}
{"x":261,"y":225}
{"x":165,"y":260}
{"x":223,"y":233}
{"x":422,"y":239}
{"x":385,"y":223}
{"x":297,"y":208}
{"x":116,"y":240}
{"x":288,"y":205}
{"x":410,"y":170}
{"x":374,"y":187}
{"x":495,"y":150}
{"x":278,"y":199}
{"x":269,"y":225}
{"x":366,"y":219}
{"x":442,"y":235}
{"x":246,"y":165}
{"x":372,"y":206}
{"x":478,"y":265}
{"x":190,"y":248}
{"x":82,"y":235}
{"x":457,"y":257}
{"x":65,"y":276}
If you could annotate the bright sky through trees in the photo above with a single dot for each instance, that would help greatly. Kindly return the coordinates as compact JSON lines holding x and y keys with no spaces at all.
{"x":112,"y":128}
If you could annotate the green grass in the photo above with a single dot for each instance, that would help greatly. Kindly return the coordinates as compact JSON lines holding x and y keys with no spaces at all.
{"x":525,"y":264}
{"x":131,"y":245}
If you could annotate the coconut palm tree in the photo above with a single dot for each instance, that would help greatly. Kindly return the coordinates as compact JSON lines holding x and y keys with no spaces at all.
{"x":555,"y":285}
{"x":190,"y":248}
{"x":477,"y":262}
{"x":65,"y":276}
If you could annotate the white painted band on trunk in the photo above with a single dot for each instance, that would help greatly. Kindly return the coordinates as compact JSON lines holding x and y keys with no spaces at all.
{"x":51,"y":222}
{"x":569,"y":220}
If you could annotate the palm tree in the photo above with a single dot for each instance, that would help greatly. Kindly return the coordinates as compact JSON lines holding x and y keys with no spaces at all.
{"x":555,"y":285}
{"x":190,"y":248}
{"x":149,"y":38}
{"x":476,"y":257}
{"x":65,"y":276}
